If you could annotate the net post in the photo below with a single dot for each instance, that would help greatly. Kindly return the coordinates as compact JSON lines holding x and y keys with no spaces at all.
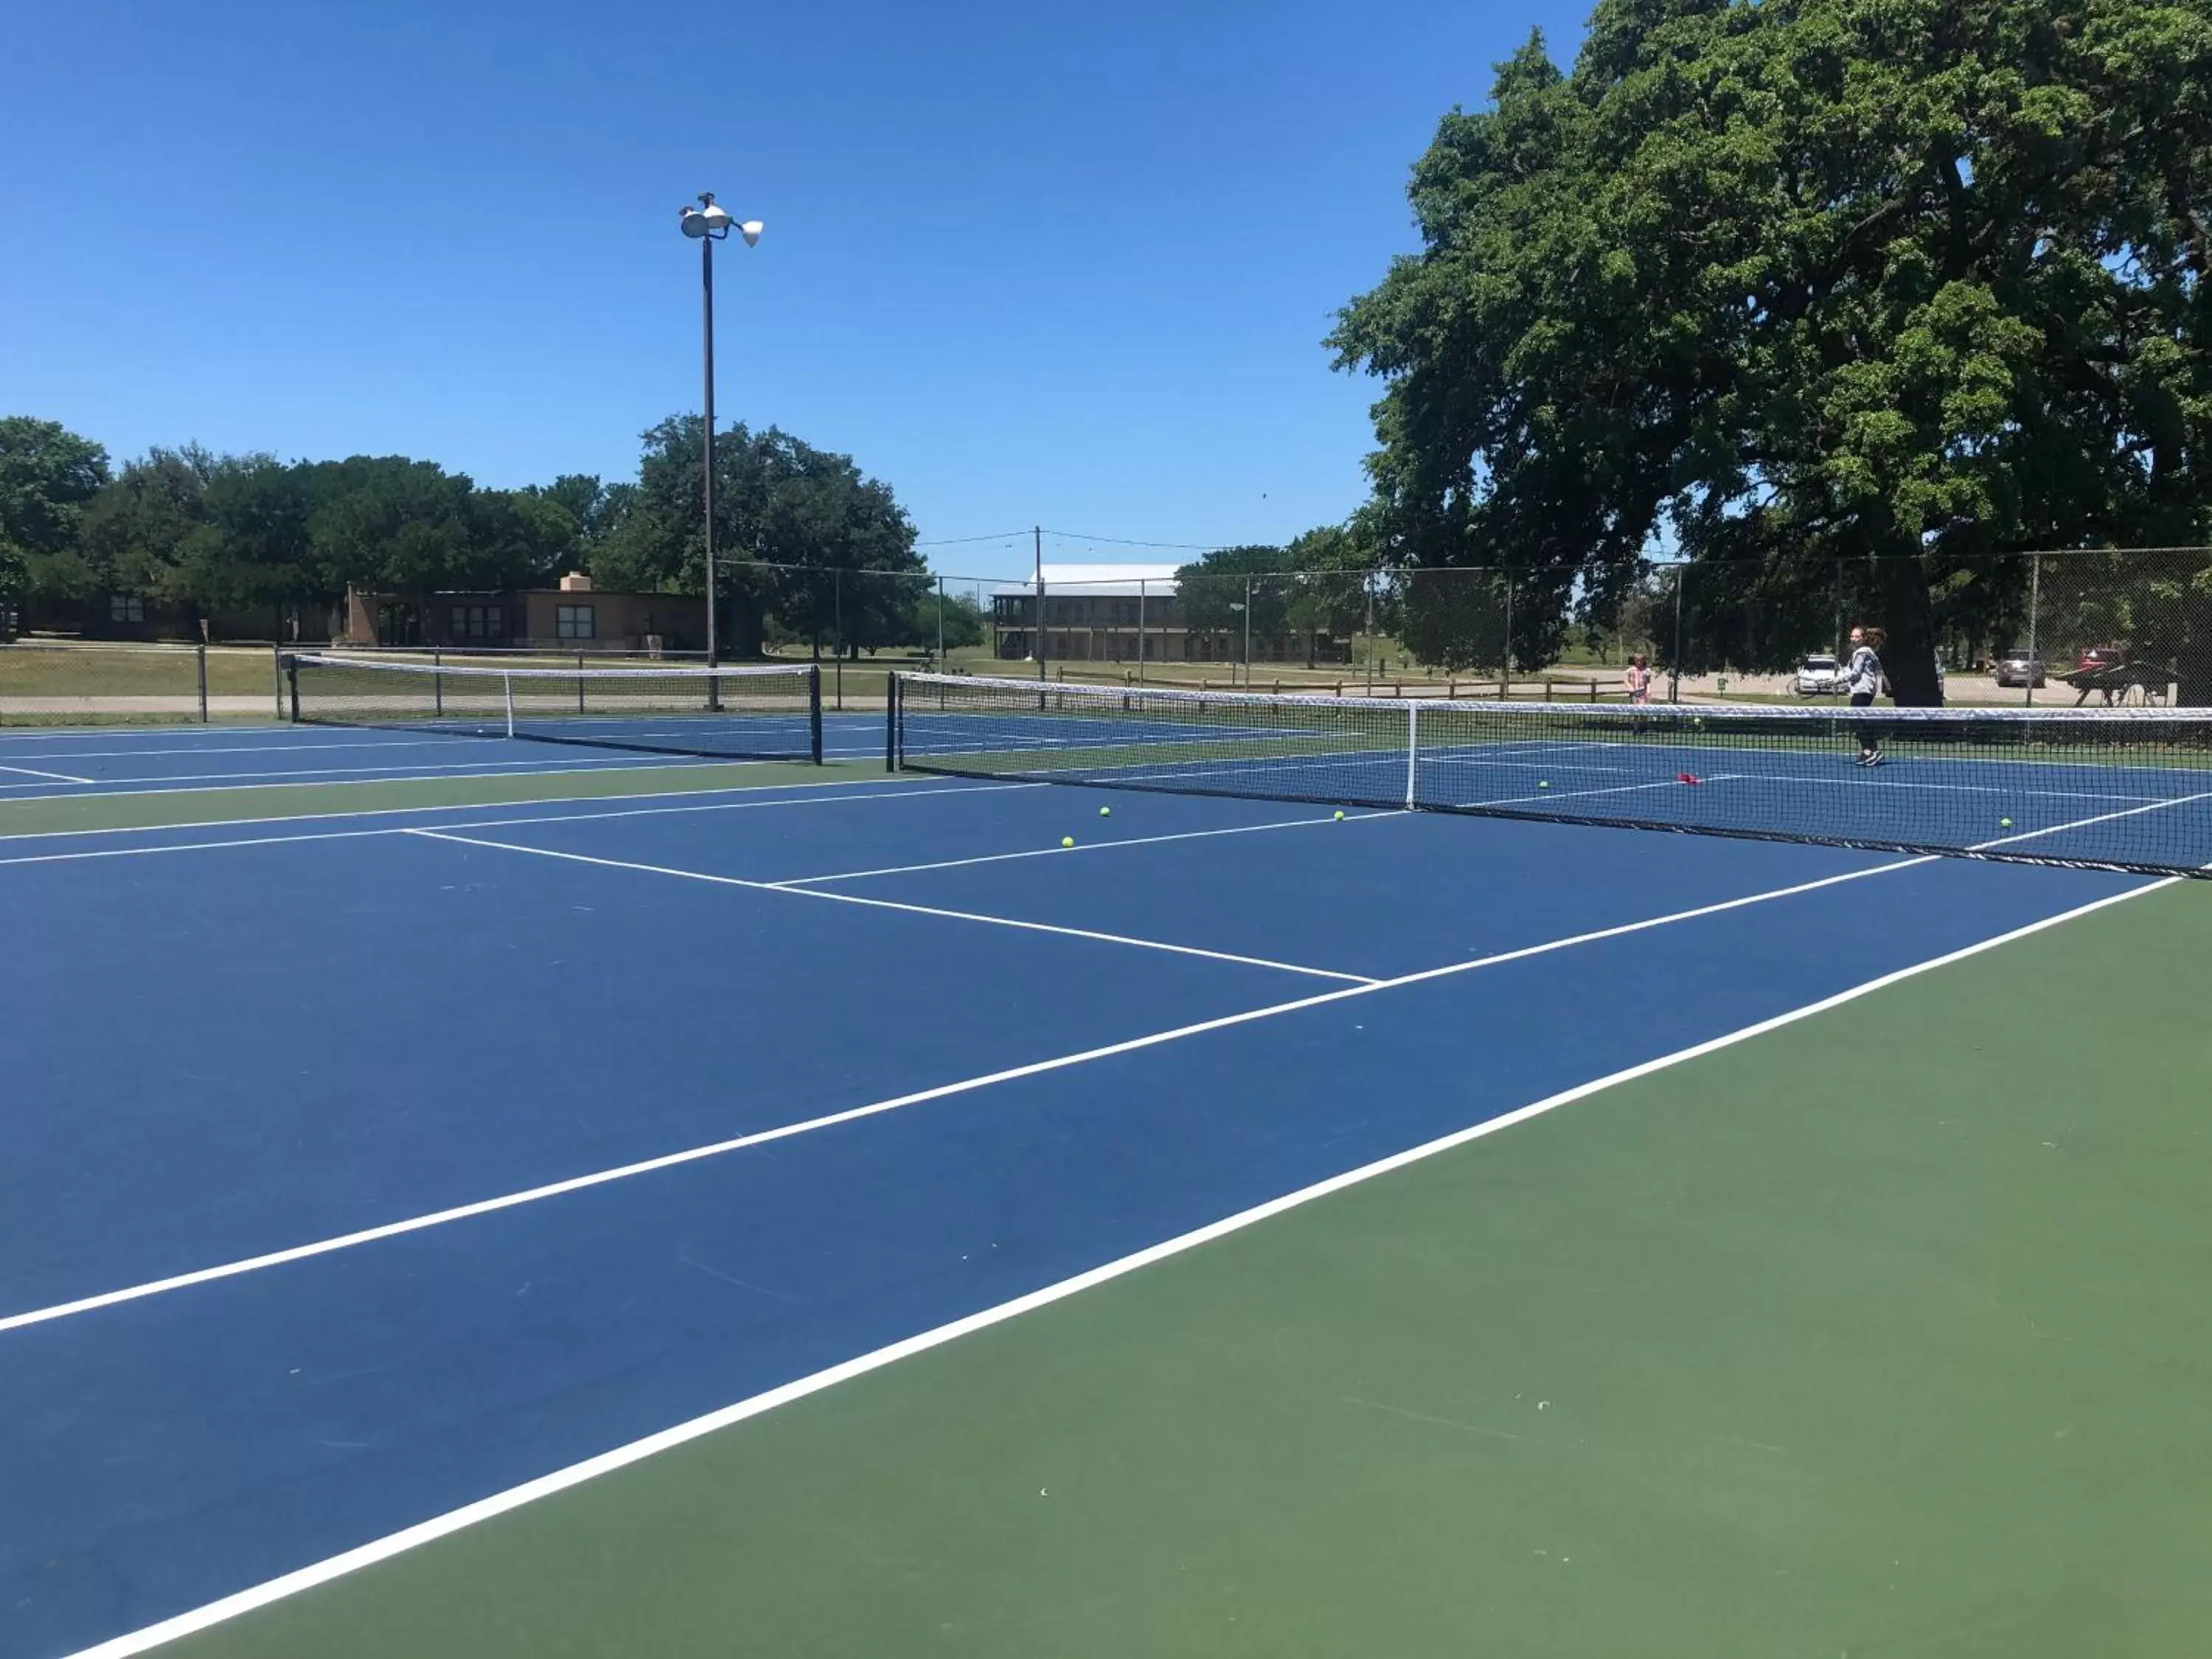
{"x":1413,"y":755}
{"x":438,"y":684}
{"x":289,"y":668}
{"x":890,"y":723}
{"x":276,"y":660}
{"x":508,"y":682}
{"x":199,"y":653}
{"x":814,"y":711}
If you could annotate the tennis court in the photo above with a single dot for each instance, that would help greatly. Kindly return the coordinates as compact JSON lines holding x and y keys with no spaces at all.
{"x":779,"y":1209}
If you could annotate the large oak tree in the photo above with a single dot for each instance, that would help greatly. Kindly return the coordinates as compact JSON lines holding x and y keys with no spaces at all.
{"x":1781,"y":283}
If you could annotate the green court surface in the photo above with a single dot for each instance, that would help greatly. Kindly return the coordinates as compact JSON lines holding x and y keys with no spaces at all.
{"x":1889,"y":1333}
{"x":155,"y":809}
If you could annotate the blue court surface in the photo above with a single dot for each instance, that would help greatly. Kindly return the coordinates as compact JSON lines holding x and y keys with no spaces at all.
{"x":42,"y":763}
{"x":364,"y":1169}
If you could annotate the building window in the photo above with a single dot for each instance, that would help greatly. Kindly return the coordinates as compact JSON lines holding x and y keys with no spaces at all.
{"x":479,"y":622}
{"x":573,"y":622}
{"x":125,"y":608}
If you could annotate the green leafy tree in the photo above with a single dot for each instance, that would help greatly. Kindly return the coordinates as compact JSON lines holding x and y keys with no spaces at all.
{"x":132,"y":536}
{"x":778,"y":502}
{"x":47,"y":476}
{"x":254,"y":548}
{"x":964,"y":623}
{"x":1896,"y":284}
{"x":1214,"y":590}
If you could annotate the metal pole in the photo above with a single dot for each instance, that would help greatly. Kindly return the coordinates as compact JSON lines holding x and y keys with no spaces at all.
{"x":2035,"y":609}
{"x":200,"y":652}
{"x":1675,"y":671}
{"x":837,"y":639}
{"x":940,"y":624}
{"x":1248,"y":633}
{"x":1505,"y":666}
{"x":1141,"y":630}
{"x":707,"y":325}
{"x":1037,"y":532}
{"x":1367,"y":584}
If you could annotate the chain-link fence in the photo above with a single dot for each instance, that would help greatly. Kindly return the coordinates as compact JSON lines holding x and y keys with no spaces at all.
{"x":2091,"y":627}
{"x":49,"y":683}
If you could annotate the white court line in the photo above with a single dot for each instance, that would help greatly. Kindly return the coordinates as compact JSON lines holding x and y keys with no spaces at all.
{"x":575,"y":1475}
{"x":57,"y":777}
{"x":1080,"y":847}
{"x":1615,"y":789}
{"x":895,"y":904}
{"x":484,"y":823}
{"x":944,"y":1090}
{"x":2083,"y":823}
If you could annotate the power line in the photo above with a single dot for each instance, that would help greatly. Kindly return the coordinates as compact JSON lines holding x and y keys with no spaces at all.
{"x":962,"y":541}
{"x":1123,"y":541}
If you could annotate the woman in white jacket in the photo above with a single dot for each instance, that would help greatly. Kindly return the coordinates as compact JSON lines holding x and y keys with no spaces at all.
{"x":1862,"y":678}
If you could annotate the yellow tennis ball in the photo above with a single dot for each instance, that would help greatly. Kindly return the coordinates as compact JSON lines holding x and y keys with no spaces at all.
{"x":1067,"y":841}
{"x":1105,"y":811}
{"x":2004,"y":824}
{"x":1543,"y":783}
{"x":1340,"y":815}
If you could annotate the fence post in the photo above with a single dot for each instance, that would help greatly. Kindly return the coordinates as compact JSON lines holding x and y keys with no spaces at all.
{"x":1505,"y":660}
{"x":1141,"y":630}
{"x":1367,"y":587}
{"x":838,"y":631}
{"x":940,"y":628}
{"x":199,"y":653}
{"x":2035,"y":609}
{"x":1674,"y":665}
{"x":1037,"y":534}
{"x":1248,"y":633}
{"x":276,"y":660}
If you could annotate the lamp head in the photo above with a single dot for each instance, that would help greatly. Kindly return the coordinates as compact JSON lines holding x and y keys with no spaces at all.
{"x":706,"y":220}
{"x":750,"y":231}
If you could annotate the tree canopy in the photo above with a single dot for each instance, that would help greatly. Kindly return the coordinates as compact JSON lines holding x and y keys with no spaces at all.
{"x":1778,"y":284}
{"x":221,"y":533}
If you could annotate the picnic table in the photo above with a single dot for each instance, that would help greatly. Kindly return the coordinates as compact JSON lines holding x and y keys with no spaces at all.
{"x":2116,"y":680}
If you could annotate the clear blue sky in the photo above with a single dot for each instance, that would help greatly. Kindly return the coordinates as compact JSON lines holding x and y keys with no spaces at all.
{"x":1030,"y":262}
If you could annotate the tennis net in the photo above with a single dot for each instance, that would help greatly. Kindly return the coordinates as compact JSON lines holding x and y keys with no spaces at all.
{"x":772,"y":712}
{"x":2105,"y":788}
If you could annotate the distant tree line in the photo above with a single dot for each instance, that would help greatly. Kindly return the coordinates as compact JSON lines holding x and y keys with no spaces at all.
{"x":225,"y":538}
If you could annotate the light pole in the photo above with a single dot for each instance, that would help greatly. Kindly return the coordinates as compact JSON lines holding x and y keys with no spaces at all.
{"x":707,"y":224}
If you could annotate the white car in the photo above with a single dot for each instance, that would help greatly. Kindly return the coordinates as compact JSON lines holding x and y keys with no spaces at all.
{"x":1818,"y":677}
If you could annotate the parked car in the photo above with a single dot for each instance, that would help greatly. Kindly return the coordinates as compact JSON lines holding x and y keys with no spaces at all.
{"x":2101,"y":656}
{"x":2021,"y":666}
{"x":1818,"y":677}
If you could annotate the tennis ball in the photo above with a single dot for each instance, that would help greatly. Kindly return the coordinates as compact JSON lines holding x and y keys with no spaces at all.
{"x":1340,"y":815}
{"x":2004,"y":824}
{"x":1067,"y":841}
{"x":1543,"y":783}
{"x":1105,"y":811}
